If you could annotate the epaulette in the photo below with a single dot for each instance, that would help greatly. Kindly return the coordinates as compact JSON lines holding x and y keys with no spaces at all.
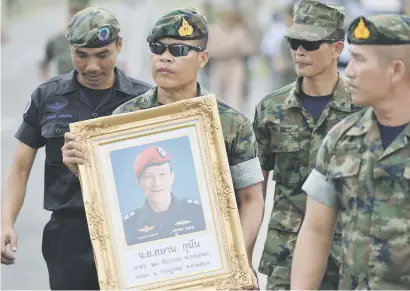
{"x":189,"y":201}
{"x":129,"y":215}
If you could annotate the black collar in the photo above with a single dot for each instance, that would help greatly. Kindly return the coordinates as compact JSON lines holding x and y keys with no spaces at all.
{"x":175,"y":205}
{"x":68,"y":83}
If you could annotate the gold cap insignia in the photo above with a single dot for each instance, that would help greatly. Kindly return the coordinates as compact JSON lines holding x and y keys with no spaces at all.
{"x":182,"y":222}
{"x":185,"y":29}
{"x":361,"y":31}
{"x":146,"y":228}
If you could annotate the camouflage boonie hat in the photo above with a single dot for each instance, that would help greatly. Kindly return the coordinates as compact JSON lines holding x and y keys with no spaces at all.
{"x":92,"y":28}
{"x":184,"y":24}
{"x":74,"y":4}
{"x":380,"y":30}
{"x":315,"y":21}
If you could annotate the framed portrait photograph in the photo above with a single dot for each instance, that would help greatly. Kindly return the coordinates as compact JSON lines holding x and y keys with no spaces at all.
{"x":159,"y":199}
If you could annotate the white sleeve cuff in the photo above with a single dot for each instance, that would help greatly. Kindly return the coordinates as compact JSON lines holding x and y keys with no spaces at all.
{"x":320,"y":189}
{"x":246,"y":174}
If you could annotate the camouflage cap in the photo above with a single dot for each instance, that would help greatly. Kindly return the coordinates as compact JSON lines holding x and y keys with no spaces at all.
{"x":315,"y":21}
{"x":184,"y":24}
{"x":380,"y":30}
{"x":74,"y":4}
{"x":93,"y":27}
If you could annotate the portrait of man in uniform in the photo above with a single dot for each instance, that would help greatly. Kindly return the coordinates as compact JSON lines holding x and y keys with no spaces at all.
{"x":162,"y":208}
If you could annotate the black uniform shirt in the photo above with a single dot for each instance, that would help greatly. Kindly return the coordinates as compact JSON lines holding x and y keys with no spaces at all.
{"x":52,"y":107}
{"x":182,"y":217}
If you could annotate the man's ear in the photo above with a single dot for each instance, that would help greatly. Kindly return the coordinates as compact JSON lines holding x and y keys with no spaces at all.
{"x":204,"y":59}
{"x":119,"y":44}
{"x":338,"y":48}
{"x":398,"y":69}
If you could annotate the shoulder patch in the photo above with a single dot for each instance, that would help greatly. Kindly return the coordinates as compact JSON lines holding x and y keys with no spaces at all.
{"x":27,"y":106}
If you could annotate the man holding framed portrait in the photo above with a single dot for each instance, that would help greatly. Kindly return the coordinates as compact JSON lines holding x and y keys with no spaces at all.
{"x":178,"y":44}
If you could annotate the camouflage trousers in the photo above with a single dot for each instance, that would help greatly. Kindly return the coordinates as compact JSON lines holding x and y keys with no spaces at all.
{"x":280,"y":278}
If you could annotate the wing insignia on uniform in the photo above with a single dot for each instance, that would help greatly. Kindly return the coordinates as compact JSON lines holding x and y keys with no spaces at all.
{"x":182,"y":222}
{"x":146,"y":228}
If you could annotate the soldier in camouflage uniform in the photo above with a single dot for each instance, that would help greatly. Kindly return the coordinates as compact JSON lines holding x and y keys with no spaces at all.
{"x":178,"y":45}
{"x":58,"y":48}
{"x":363,"y":169}
{"x":289,"y":126}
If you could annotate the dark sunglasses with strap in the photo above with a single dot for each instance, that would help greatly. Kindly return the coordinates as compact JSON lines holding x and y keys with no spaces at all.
{"x":309,"y":45}
{"x":177,"y":50}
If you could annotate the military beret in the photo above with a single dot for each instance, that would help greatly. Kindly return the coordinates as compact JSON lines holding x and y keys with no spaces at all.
{"x":92,"y":28}
{"x":78,"y":3}
{"x":314,"y":21}
{"x":150,"y":156}
{"x":183,"y":24}
{"x":380,"y":30}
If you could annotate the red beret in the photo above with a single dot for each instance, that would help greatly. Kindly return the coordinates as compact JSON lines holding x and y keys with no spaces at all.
{"x":150,"y":156}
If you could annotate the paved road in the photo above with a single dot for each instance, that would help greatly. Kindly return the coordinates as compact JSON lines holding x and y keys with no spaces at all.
{"x":20,"y":57}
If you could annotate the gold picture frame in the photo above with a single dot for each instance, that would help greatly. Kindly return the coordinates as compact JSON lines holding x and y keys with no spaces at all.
{"x":214,"y":258}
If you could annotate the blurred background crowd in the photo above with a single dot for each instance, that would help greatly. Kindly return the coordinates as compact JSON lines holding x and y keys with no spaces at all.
{"x":249,"y":56}
{"x":249,"y":59}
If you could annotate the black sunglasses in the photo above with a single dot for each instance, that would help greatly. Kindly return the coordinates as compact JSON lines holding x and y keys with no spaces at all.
{"x":177,"y":50}
{"x":308,"y":45}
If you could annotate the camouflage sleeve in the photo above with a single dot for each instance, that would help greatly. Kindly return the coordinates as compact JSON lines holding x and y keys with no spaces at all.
{"x":243,"y":158}
{"x":262,"y":134}
{"x":118,"y":110}
{"x":318,"y":186}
